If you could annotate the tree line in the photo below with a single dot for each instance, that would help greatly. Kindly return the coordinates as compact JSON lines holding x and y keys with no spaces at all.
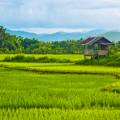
{"x":13,"y":44}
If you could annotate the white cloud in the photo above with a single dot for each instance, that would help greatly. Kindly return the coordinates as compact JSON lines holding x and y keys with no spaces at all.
{"x":51,"y":30}
{"x":60,"y":13}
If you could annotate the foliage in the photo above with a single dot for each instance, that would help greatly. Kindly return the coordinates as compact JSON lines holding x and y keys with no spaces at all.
{"x":71,"y":57}
{"x":111,"y":60}
{"x":12,"y":44}
{"x":45,"y":59}
{"x":65,"y":90}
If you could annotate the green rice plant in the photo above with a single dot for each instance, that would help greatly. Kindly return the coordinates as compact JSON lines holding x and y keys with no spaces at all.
{"x":63,"y":68}
{"x":114,"y":87}
{"x":76,"y":94}
{"x":71,"y":57}
{"x":32,"y":59}
{"x":59,"y":114}
{"x":68,"y":91}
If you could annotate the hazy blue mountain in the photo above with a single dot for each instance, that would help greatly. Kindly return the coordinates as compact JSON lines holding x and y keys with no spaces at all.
{"x":112,"y":35}
{"x":48,"y":37}
{"x":58,"y":36}
{"x":23,"y":34}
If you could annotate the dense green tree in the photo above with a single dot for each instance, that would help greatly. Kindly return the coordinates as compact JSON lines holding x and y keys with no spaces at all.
{"x":12,"y":44}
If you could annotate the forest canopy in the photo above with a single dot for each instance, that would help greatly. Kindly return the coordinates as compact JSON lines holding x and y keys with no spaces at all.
{"x":13,"y":44}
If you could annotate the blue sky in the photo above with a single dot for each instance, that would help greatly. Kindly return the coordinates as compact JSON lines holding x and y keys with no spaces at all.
{"x":36,"y":15}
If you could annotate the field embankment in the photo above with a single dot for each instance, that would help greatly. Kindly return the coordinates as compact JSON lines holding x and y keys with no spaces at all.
{"x":62,"y":68}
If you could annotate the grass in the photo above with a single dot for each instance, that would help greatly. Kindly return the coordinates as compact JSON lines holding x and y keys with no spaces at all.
{"x":64,"y":92}
{"x":28,"y":96}
{"x":54,"y":90}
{"x":58,"y":114}
{"x":71,"y":57}
{"x":32,"y":59}
{"x":62,"y":68}
{"x":114,"y":87}
{"x":112,"y":60}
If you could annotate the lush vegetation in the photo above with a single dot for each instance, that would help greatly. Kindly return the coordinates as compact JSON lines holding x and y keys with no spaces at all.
{"x":42,"y":58}
{"x":58,"y":114}
{"x":60,"y":86}
{"x":22,"y":58}
{"x":55,"y":90}
{"x":114,"y":87}
{"x":12,"y":44}
{"x":29,"y":96}
{"x":62,"y":68}
{"x":112,"y":60}
{"x":72,"y":57}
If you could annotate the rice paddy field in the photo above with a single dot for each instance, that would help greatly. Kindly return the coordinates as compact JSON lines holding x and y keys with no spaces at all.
{"x":59,"y":91}
{"x":71,"y":57}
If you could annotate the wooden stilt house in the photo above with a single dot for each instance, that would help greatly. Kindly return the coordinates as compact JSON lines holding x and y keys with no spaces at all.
{"x":96,"y":46}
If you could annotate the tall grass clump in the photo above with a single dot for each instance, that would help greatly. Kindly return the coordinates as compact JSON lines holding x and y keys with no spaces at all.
{"x":44,"y":59}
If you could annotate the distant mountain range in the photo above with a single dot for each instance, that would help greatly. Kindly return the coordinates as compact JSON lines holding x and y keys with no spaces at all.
{"x":58,"y":36}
